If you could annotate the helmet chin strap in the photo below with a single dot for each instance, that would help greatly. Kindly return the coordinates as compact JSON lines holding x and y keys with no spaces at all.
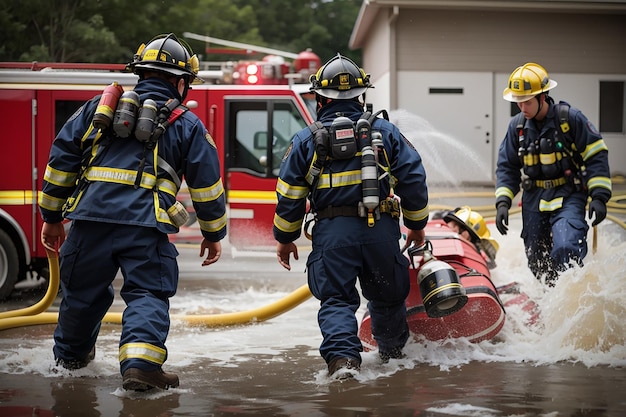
{"x":540,"y":105}
{"x":183,"y":94}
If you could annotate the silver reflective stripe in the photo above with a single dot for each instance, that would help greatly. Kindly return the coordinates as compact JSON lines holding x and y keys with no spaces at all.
{"x":168,"y":168}
{"x":213,"y":225}
{"x":201,"y":195}
{"x":551,"y":205}
{"x":119,"y":176}
{"x":59,"y":178}
{"x":144,"y":351}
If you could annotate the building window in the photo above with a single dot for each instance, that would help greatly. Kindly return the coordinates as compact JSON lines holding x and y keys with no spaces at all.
{"x":442,"y":90}
{"x":612,"y":106}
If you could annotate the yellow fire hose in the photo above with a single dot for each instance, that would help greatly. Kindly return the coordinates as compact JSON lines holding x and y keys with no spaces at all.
{"x":49,"y":296}
{"x":36,"y":314}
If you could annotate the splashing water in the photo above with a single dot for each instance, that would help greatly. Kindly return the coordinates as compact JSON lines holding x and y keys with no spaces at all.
{"x":446,"y":159}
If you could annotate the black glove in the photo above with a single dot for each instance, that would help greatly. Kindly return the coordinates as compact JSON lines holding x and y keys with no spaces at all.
{"x":598,"y":207}
{"x":502,"y":218}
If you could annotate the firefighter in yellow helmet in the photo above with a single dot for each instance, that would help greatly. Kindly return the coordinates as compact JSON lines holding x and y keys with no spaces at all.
{"x":470,"y":225}
{"x":559,"y":159}
{"x":122,"y":203}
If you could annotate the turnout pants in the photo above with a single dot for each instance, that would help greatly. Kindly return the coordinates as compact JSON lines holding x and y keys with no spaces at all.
{"x":90,"y":259}
{"x":346,"y":249}
{"x":554,"y":240}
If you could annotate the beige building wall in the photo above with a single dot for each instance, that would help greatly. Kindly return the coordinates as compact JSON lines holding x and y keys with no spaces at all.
{"x":494,"y":41}
{"x":579,"y":42}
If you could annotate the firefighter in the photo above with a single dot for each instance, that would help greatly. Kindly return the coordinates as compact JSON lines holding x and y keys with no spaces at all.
{"x":559,"y":159}
{"x":120,"y":194}
{"x":470,"y":225}
{"x":351,"y":239}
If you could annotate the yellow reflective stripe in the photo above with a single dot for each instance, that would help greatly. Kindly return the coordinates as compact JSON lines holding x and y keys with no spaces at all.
{"x":551,"y":205}
{"x":286,"y":226}
{"x":293,"y":192}
{"x":162,"y":216}
{"x":143,"y":351}
{"x":59,"y":178}
{"x":119,"y":176}
{"x":201,"y":195}
{"x":213,"y":226}
{"x":504,"y":191}
{"x":599,"y":182}
{"x":341,"y":179}
{"x":594,"y":148}
{"x":127,"y":177}
{"x":159,"y":213}
{"x":309,"y":176}
{"x":416,"y":215}
{"x":547,"y":158}
{"x":48,"y":202}
{"x":167,"y":186}
{"x":252,"y":197}
{"x":72,"y":202}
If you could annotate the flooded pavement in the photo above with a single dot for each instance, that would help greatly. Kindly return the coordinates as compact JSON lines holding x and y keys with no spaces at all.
{"x":572,"y":363}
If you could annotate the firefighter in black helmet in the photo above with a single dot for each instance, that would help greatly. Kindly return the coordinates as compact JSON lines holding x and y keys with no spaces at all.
{"x":167,"y":54}
{"x":122,"y":203}
{"x":340,"y":78}
{"x":348,"y":243}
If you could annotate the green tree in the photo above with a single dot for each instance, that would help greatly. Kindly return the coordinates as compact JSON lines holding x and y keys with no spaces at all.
{"x":56,"y":30}
{"x":111,"y":30}
{"x":322,"y":25}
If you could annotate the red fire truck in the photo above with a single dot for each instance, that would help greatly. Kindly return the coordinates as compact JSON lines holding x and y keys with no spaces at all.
{"x":251,"y":123}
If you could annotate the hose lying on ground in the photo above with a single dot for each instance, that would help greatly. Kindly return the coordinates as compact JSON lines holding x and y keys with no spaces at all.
{"x":49,"y":296}
{"x":35,"y":315}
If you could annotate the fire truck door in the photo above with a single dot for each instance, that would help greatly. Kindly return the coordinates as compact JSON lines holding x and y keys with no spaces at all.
{"x":54,"y":108}
{"x":257,"y":134}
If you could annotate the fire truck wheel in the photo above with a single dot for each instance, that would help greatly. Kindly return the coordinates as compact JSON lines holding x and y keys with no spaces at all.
{"x":9,"y":265}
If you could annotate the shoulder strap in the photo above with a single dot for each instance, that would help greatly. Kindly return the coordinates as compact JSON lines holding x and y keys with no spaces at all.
{"x":563,"y":114}
{"x":320,"y":143}
{"x":315,"y":126}
{"x":167,"y":114}
{"x":170,"y":111}
{"x":373,"y":116}
{"x":162,"y":163}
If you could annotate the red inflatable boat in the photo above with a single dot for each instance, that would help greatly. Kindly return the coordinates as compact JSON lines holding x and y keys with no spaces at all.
{"x":481,"y":313}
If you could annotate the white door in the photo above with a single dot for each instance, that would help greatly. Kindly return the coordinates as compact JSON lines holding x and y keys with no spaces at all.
{"x":449,"y":118}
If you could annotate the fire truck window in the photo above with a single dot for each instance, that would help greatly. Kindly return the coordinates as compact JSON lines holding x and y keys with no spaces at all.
{"x":311,"y":103}
{"x":246,"y":154}
{"x":259,"y":134}
{"x":63,"y":109}
{"x":286,"y":122}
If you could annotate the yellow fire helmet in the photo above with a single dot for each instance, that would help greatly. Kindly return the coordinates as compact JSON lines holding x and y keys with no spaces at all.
{"x":469,"y":220}
{"x":526,"y":82}
{"x":480,"y":235}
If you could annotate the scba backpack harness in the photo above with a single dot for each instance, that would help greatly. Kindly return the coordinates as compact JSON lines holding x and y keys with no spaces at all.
{"x":551,"y":161}
{"x":345,"y":139}
{"x":146,"y":122}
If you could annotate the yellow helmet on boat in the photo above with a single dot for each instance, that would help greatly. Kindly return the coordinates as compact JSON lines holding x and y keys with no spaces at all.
{"x":469,"y":220}
{"x":475,"y":224}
